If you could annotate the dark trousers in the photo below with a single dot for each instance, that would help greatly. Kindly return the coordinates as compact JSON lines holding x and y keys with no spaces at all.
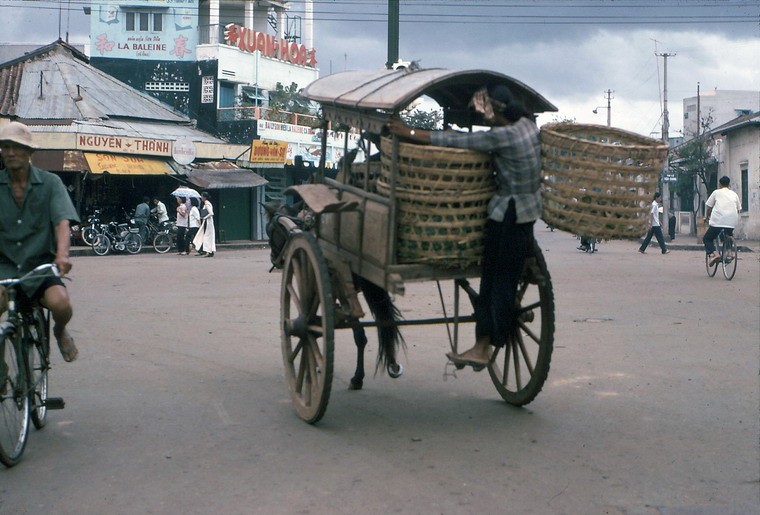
{"x":507,"y":245}
{"x":655,"y":231}
{"x":181,"y":242}
{"x":709,"y":238}
{"x":191,"y":232}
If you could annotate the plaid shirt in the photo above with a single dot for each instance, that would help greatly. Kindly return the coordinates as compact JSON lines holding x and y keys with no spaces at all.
{"x":516,"y":152}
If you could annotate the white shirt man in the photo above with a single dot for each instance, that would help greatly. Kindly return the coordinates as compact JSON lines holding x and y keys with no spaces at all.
{"x":723,"y":207}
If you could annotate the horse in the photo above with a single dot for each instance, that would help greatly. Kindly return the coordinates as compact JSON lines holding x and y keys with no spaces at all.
{"x":380,"y":303}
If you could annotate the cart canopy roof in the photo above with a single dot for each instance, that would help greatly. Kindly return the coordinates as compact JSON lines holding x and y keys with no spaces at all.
{"x":369,"y":91}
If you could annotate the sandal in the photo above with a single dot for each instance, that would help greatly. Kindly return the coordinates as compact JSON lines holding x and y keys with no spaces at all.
{"x":476,"y":364}
{"x":66,"y":345}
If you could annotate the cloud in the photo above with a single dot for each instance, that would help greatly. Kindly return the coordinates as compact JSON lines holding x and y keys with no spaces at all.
{"x":572,"y":65}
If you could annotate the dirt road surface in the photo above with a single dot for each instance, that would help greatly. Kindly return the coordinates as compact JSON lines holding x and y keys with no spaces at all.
{"x":178,"y":402}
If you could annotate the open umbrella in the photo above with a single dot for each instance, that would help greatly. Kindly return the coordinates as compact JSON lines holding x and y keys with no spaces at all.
{"x":184,"y":191}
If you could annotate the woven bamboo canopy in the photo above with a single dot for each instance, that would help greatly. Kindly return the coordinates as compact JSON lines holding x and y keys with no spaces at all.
{"x":365,"y":99}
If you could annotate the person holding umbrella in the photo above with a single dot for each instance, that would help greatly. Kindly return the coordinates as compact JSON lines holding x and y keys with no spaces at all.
{"x":205,"y":240}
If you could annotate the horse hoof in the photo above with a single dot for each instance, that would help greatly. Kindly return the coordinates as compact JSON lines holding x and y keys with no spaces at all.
{"x":395,"y":370}
{"x":355,"y":385}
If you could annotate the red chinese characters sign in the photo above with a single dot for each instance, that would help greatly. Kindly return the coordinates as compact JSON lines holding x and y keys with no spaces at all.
{"x":249,"y":40}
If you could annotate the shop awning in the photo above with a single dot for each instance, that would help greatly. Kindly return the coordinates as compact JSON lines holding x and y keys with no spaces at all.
{"x":60,"y":160}
{"x":218,"y":179}
{"x":126,"y":165}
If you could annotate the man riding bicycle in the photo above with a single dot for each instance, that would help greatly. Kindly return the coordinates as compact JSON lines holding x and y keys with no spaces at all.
{"x":723,"y":207}
{"x":35,"y":216}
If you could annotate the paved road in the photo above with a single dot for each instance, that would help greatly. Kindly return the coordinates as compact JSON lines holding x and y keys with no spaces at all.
{"x":178,"y":405}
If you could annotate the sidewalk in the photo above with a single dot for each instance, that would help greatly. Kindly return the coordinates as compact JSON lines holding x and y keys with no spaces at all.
{"x":83,"y":250}
{"x":694,"y":243}
{"x":679,"y":243}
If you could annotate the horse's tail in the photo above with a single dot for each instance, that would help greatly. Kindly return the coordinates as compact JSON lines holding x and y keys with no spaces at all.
{"x":384,"y":310}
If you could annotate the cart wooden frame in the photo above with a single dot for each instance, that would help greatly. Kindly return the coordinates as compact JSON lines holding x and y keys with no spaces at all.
{"x":355,"y":233}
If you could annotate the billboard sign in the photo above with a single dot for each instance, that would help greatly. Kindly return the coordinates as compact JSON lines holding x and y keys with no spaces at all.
{"x":165,"y":30}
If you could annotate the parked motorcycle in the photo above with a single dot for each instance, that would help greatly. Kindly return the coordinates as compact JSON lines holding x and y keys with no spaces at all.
{"x":119,"y":237}
{"x":91,"y":229}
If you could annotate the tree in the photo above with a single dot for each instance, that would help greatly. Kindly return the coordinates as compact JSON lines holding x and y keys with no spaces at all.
{"x":427,"y":120}
{"x":286,"y":100}
{"x":694,"y":163}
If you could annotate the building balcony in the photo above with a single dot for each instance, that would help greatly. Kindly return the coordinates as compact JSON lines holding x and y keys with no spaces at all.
{"x":229,"y":114}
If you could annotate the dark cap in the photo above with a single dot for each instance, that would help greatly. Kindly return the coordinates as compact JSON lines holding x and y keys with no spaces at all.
{"x":501,"y":93}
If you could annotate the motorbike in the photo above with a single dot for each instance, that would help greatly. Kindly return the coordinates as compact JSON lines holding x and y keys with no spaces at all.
{"x":118,"y":237}
{"x":91,"y":229}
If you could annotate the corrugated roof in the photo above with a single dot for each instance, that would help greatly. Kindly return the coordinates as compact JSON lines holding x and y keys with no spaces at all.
{"x":217,"y":179}
{"x":56,"y":83}
{"x":131,"y":128}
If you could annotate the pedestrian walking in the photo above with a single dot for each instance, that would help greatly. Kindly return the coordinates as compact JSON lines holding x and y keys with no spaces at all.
{"x":655,"y":229}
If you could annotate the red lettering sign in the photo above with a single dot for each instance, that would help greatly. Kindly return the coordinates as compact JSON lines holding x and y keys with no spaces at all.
{"x":249,"y":40}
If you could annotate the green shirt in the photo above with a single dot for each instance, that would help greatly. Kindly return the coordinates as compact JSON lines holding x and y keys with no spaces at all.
{"x":27,"y":233}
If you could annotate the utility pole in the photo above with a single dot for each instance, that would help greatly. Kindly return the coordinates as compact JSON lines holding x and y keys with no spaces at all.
{"x":666,"y":193}
{"x":393,"y":21}
{"x":665,"y":117}
{"x":609,"y":108}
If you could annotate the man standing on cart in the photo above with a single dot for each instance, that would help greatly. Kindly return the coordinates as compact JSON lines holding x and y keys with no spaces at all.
{"x":514,"y":143}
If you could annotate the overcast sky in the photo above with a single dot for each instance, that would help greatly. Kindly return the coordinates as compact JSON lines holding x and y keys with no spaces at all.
{"x":570,"y":51}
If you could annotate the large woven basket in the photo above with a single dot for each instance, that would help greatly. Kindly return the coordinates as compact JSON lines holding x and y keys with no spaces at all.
{"x":599,"y":181}
{"x":442,"y":197}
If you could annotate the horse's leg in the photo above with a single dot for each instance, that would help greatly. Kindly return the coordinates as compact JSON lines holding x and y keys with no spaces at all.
{"x":360,"y":339}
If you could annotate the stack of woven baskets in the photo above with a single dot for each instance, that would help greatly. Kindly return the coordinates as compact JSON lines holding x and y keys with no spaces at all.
{"x":442,"y":197}
{"x":599,"y":181}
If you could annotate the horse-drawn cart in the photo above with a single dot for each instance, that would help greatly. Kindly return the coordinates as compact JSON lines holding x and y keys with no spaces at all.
{"x":386,"y":229}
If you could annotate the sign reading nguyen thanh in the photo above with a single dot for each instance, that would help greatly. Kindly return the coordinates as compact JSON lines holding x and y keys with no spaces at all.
{"x":267,"y":151}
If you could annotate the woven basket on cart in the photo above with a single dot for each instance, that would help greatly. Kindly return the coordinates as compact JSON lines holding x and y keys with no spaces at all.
{"x":442,"y":197}
{"x":599,"y":181}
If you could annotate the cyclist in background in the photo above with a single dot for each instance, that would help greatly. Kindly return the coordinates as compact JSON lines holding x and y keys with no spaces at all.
{"x":35,"y":215}
{"x":723,"y":206}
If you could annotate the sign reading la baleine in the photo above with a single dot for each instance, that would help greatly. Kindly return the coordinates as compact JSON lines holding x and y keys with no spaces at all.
{"x":125,"y":145}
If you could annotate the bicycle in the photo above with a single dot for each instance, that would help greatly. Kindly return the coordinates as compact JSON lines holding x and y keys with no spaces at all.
{"x":25,"y":352}
{"x":728,"y":253}
{"x":161,"y":234}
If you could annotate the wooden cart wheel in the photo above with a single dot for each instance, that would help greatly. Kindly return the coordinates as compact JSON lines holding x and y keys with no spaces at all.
{"x":519,"y":369}
{"x":307,"y":327}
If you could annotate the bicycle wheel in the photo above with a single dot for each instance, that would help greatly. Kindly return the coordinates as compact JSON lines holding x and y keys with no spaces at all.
{"x":88,"y":235}
{"x":133,"y":243}
{"x":102,"y":245}
{"x":162,"y":243}
{"x":520,"y":368}
{"x":39,"y":364}
{"x":730,"y":257}
{"x":14,"y":402}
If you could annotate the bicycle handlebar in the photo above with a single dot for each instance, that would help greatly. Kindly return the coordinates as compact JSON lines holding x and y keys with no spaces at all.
{"x":52,"y":267}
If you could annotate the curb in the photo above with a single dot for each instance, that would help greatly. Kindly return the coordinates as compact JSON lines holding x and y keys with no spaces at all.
{"x":220,"y":247}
